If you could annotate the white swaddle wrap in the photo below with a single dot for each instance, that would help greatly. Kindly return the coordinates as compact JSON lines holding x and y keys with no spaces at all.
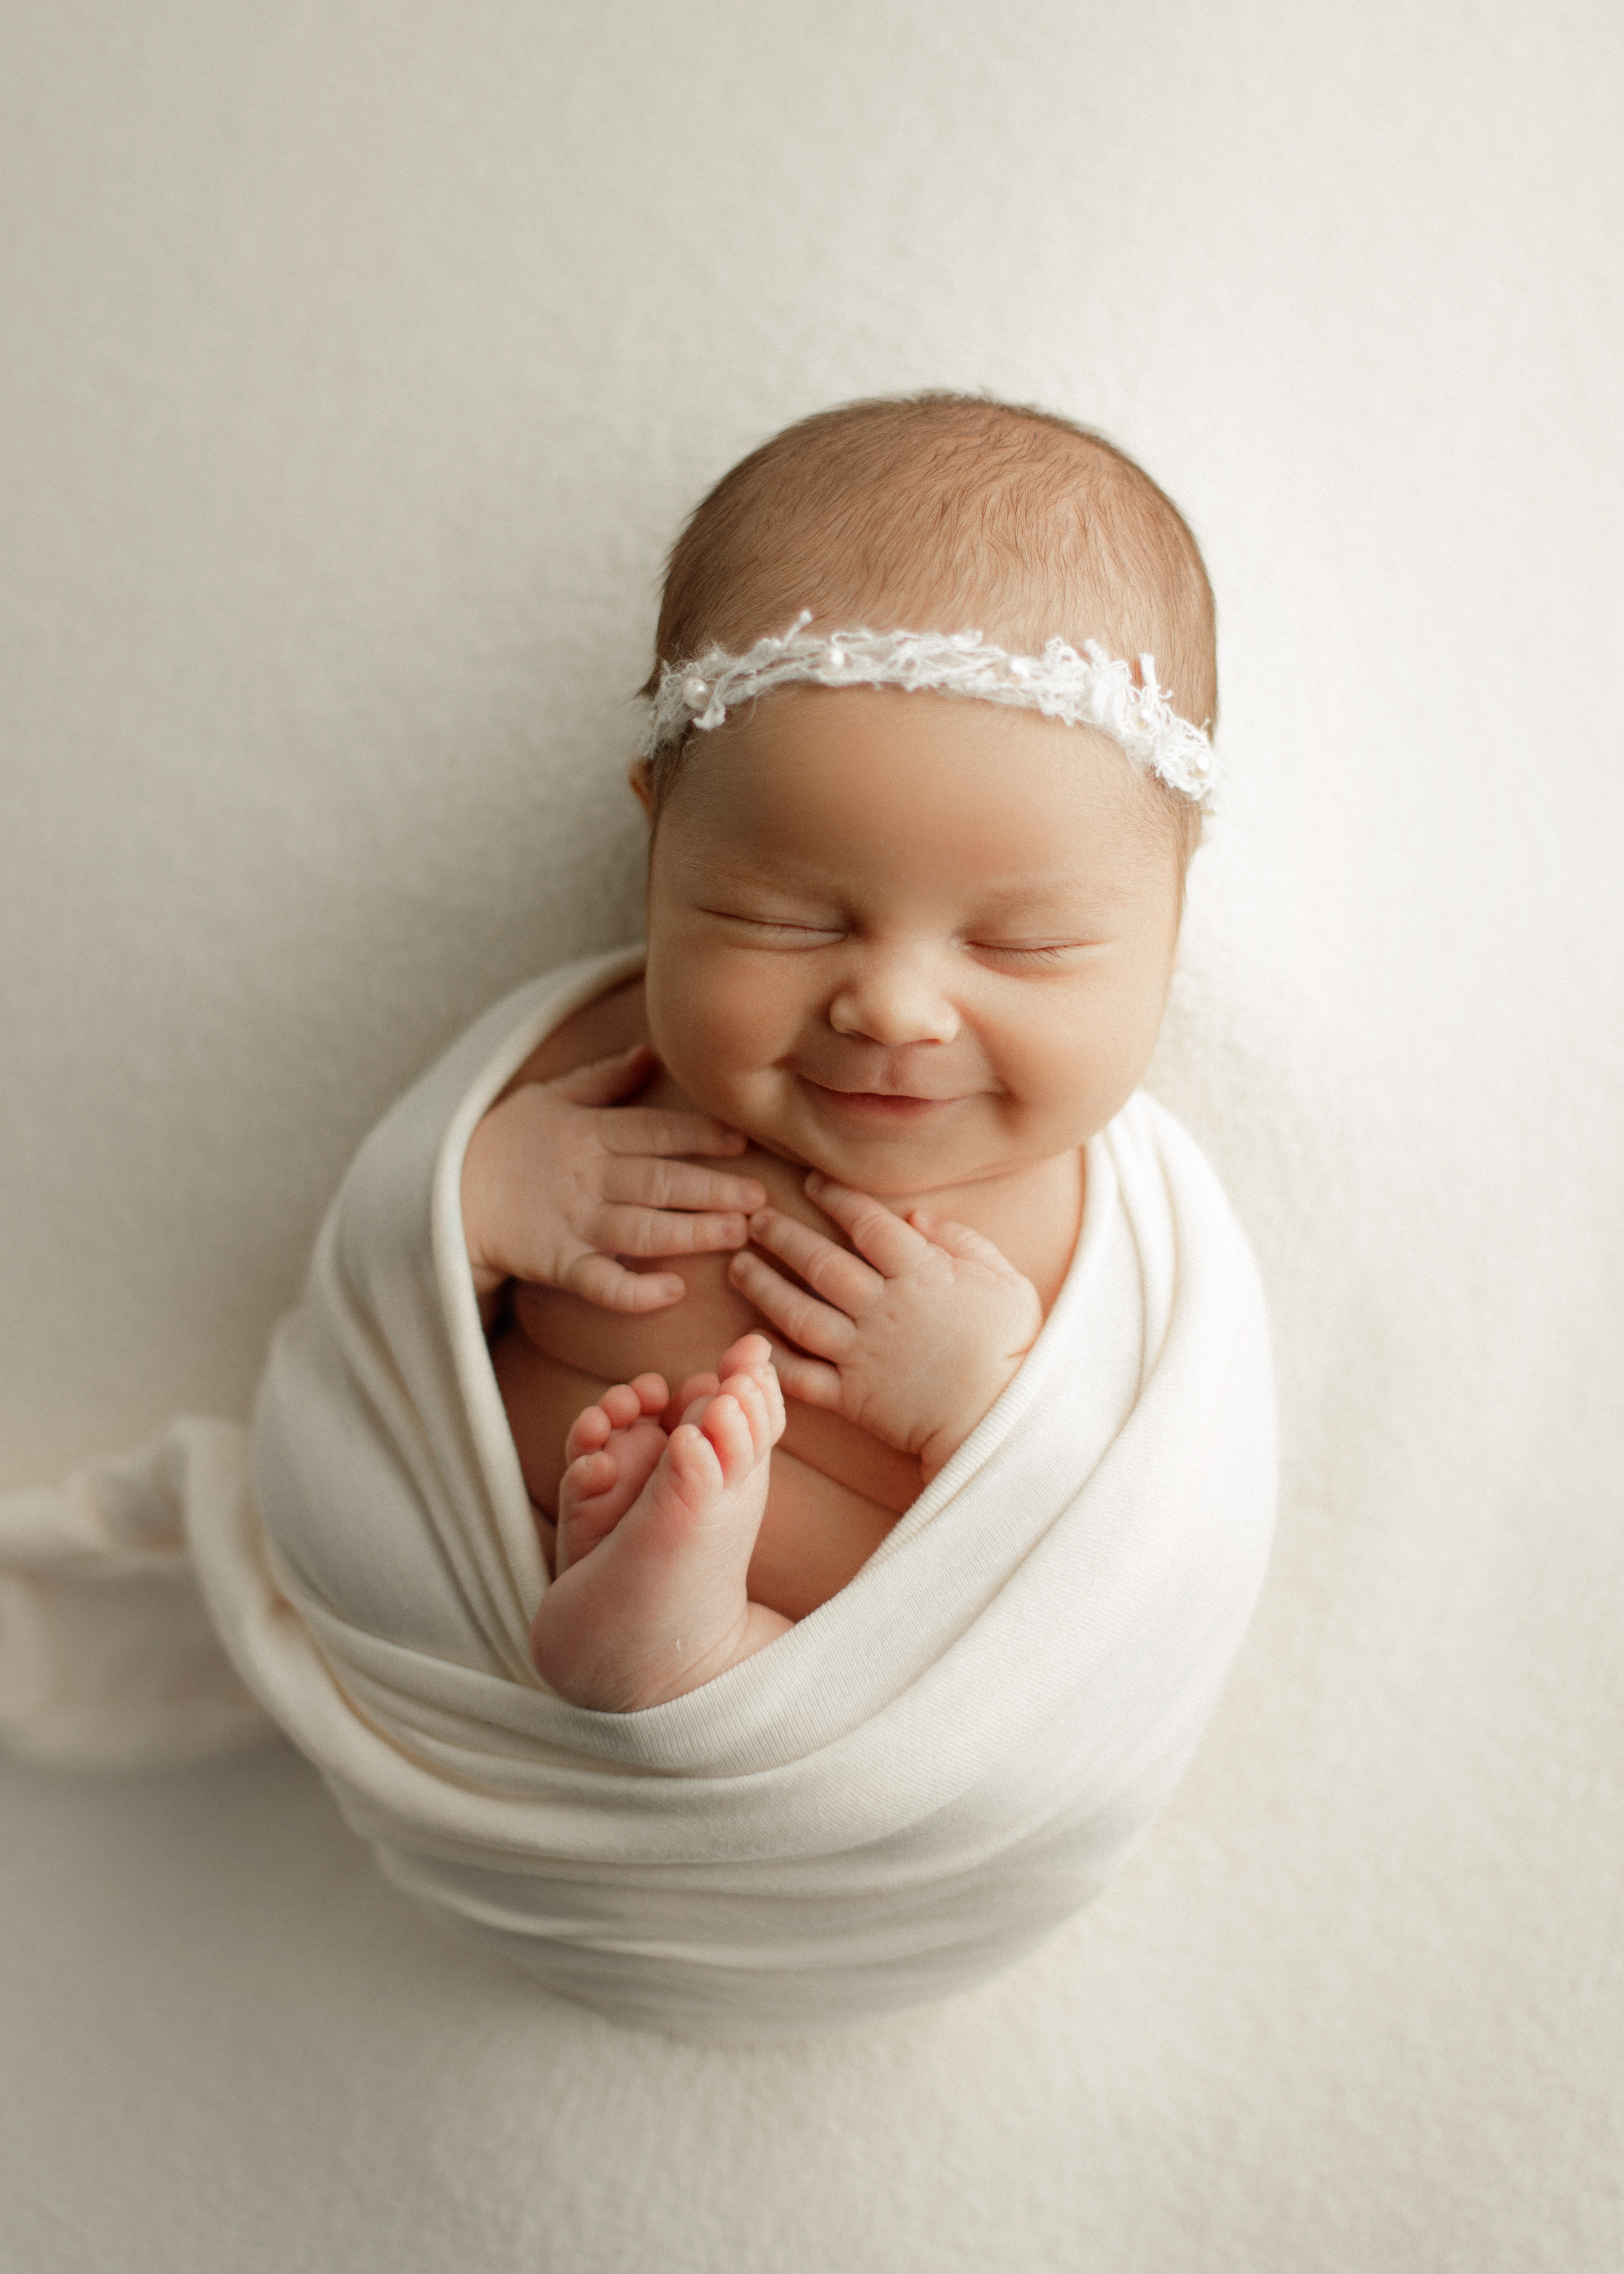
{"x":895,"y":1798}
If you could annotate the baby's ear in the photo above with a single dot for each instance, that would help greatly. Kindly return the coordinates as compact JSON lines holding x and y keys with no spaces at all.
{"x":642,"y":787}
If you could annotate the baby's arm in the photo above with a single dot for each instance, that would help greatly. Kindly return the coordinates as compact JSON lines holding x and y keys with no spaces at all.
{"x":560,"y":1179}
{"x":916,"y":1335}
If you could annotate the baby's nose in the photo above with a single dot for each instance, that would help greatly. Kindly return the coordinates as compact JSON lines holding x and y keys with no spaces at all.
{"x":895,"y":999}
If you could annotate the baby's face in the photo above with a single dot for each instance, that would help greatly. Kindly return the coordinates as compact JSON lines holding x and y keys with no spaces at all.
{"x":912,"y":941}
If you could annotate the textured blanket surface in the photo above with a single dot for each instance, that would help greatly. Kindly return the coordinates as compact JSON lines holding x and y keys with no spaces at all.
{"x":895,"y":1798}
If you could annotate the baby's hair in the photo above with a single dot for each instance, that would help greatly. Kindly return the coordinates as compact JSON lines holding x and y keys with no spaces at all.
{"x":945,"y":513}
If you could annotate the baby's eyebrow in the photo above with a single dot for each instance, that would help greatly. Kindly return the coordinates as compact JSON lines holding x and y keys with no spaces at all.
{"x":1064,"y":895}
{"x":1061,"y":891}
{"x":789,"y":875}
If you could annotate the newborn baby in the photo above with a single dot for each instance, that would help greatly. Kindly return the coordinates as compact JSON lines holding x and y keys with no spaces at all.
{"x":775,"y":1456}
{"x":832,"y":1290}
{"x":908,"y":943}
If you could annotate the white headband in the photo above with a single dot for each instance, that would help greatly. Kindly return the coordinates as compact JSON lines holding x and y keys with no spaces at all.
{"x":1091,"y":689}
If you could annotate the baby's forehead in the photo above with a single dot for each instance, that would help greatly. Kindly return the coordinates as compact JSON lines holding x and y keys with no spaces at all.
{"x":822,"y":790}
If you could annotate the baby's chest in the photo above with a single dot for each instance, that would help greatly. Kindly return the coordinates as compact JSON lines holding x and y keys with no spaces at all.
{"x":613,"y":1345}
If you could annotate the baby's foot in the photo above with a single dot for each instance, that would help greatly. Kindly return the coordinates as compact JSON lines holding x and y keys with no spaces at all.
{"x":711,"y":1480}
{"x":659,"y":1605}
{"x":611,"y":1449}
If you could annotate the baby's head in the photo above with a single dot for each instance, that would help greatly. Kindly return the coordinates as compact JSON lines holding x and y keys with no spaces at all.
{"x":917,"y":938}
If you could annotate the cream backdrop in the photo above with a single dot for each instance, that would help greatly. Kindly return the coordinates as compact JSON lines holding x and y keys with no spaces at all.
{"x":360,"y":360}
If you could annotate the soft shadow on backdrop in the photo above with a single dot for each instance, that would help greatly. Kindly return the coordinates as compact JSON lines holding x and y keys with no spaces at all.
{"x":360,"y":363}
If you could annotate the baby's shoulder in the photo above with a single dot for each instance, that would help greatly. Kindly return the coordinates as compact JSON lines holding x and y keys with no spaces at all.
{"x":602,"y":1028}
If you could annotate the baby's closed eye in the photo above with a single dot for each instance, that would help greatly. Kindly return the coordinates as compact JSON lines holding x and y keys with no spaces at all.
{"x":1049,"y":956}
{"x":780,"y":931}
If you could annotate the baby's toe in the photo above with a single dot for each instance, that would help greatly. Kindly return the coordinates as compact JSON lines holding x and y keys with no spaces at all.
{"x":637,"y":1453}
{"x":589,"y":1430}
{"x":622,"y":1405}
{"x":728,"y":1429}
{"x":599,"y":1486}
{"x":761,"y":1404}
{"x":693,"y":1398}
{"x":588,"y":1475}
{"x":695,"y":1464}
{"x":753,"y":1353}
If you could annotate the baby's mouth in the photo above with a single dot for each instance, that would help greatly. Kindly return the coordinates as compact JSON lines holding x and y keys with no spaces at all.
{"x":875,"y":1105}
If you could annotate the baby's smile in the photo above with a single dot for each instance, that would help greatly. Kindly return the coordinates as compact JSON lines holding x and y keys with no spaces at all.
{"x":850,"y":1078}
{"x":877,"y":1109}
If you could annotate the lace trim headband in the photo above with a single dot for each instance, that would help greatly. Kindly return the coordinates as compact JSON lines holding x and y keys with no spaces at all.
{"x":1090,"y":690}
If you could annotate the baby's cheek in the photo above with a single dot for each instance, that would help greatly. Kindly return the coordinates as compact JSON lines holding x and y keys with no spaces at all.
{"x":1078,"y":1075}
{"x":712,"y":1079}
{"x":722,"y":1036}
{"x":688,"y":997}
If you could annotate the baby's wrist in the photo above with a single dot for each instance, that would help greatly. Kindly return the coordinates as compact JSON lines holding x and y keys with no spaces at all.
{"x":938,"y":1450}
{"x":488,"y":1280}
{"x":475,"y":1198}
{"x":945,"y":1439}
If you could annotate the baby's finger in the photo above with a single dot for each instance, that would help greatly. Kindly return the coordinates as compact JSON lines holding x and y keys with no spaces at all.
{"x":826,"y":1332}
{"x":839,"y":1276}
{"x":652,"y":1129}
{"x":883,"y":1239}
{"x":652,"y":1182}
{"x":652,"y":1231}
{"x":960,"y":1241}
{"x":605,"y":1080}
{"x":599,"y":1279}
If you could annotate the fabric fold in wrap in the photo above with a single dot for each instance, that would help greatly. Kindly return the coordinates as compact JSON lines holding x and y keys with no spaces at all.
{"x":896,"y":1797}
{"x":108,"y":1656}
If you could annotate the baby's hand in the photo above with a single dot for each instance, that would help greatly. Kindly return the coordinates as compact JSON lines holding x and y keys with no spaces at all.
{"x":559,"y":1181}
{"x":917,"y":1334}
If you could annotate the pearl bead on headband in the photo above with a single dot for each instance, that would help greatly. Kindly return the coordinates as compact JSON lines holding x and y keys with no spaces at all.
{"x":1090,"y":690}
